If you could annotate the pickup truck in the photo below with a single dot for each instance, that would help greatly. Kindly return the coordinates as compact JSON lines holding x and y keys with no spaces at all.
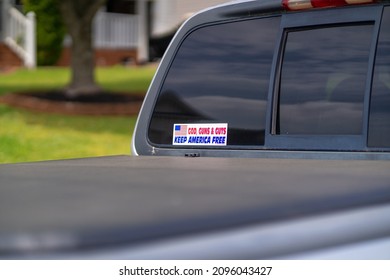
{"x":265,"y":134}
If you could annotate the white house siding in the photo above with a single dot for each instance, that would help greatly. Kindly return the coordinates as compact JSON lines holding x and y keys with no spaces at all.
{"x":169,"y":14}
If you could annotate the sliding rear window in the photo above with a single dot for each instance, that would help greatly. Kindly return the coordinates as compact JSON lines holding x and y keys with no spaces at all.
{"x":379,"y":125}
{"x":323,"y":78}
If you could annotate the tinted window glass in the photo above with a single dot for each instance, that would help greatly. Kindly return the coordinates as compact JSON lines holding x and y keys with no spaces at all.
{"x":323,"y":81}
{"x":379,"y":125}
{"x":220,"y":75}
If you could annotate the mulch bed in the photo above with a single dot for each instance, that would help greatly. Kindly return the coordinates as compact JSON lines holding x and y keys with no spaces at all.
{"x":105,"y":103}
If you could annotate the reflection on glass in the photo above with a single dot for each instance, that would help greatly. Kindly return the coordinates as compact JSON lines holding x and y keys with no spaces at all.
{"x":323,"y":81}
{"x":220,"y":74}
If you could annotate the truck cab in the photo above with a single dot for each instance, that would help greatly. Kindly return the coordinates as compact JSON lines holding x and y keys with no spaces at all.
{"x":281,"y":78}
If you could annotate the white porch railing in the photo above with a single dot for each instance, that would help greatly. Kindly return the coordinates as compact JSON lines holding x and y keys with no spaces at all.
{"x":115,"y":31}
{"x":20,"y":36}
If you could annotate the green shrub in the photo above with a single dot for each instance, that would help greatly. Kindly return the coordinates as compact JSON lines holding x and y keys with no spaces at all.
{"x":50,"y":29}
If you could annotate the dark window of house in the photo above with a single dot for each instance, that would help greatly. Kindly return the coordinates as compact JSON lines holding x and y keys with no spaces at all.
{"x":323,"y":81}
{"x":220,"y":75}
{"x":379,"y":124}
{"x":121,"y":6}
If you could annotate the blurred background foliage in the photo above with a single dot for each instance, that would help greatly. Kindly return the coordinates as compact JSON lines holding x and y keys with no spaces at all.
{"x":50,"y":29}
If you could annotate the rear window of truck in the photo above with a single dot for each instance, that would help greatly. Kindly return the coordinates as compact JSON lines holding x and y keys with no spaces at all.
{"x":280,"y":82}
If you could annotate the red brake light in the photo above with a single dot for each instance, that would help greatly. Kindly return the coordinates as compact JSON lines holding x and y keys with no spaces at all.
{"x":294,"y":5}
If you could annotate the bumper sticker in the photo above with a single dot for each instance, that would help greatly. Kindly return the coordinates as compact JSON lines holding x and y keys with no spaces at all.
{"x":200,"y":134}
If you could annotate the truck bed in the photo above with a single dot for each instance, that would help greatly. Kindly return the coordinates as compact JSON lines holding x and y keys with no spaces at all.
{"x":84,"y":204}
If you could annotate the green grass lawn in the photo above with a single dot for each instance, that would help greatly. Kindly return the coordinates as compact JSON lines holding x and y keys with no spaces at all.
{"x":118,"y":78}
{"x":27,"y":136}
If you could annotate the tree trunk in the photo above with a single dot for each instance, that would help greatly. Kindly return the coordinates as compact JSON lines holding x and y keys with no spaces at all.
{"x":78,"y":16}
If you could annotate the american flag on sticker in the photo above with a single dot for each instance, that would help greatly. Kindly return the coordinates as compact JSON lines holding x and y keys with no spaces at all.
{"x":180,"y":130}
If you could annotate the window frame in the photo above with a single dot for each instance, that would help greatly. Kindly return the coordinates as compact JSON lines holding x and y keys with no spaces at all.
{"x":317,"y":19}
